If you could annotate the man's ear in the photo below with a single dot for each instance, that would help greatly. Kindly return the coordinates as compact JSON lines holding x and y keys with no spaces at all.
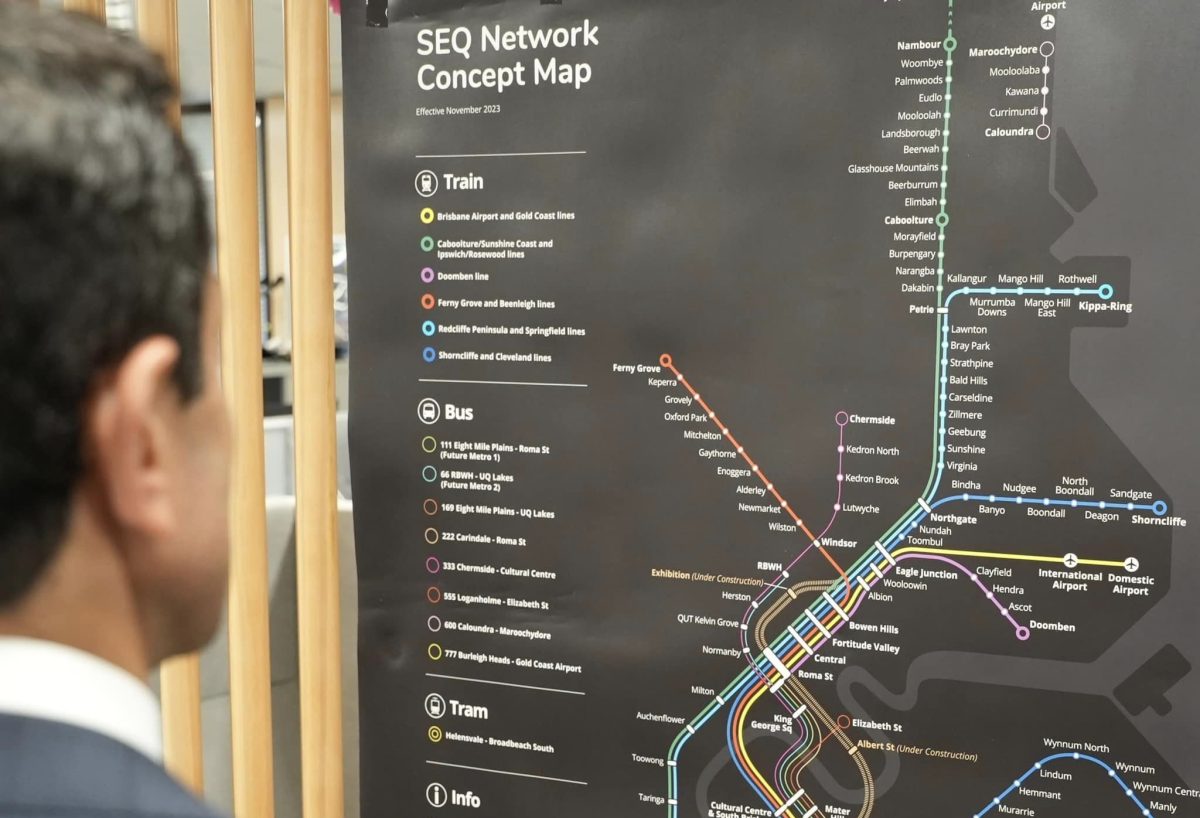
{"x":129,"y":430}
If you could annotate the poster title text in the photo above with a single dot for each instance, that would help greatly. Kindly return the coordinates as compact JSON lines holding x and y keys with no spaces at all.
{"x":542,"y":70}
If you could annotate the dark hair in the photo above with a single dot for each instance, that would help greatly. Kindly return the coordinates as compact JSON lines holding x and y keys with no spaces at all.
{"x":104,"y":241}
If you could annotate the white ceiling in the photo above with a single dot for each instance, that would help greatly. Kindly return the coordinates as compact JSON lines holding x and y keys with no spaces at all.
{"x":194,"y":73}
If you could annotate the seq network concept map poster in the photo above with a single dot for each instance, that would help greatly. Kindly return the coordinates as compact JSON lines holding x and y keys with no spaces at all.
{"x":776,"y":408}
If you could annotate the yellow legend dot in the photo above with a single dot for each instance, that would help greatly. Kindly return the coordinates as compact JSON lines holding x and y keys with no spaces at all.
{"x":435,"y":651}
{"x":427,"y":215}
{"x":435,"y":734}
{"x":429,"y":444}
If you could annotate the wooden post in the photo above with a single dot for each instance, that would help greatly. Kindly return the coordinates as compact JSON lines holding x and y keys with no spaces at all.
{"x":179,"y":678}
{"x":158,"y":28}
{"x":92,"y":8}
{"x":236,"y":170}
{"x":310,"y":237}
{"x":183,"y":747}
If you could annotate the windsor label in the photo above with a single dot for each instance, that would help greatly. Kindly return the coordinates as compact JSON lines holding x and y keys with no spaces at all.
{"x":775,"y":408}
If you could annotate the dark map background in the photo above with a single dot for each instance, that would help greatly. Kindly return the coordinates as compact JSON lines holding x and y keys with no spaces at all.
{"x":1134,"y":118}
{"x":716,"y":221}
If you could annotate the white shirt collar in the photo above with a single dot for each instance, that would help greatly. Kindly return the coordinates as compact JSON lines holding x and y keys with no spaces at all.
{"x":46,"y":680}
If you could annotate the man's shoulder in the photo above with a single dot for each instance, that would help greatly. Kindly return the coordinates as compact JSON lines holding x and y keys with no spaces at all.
{"x":54,"y":770}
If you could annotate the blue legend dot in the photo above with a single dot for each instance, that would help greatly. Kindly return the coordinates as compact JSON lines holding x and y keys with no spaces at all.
{"x":429,"y":328}
{"x":429,"y":354}
{"x":429,"y":473}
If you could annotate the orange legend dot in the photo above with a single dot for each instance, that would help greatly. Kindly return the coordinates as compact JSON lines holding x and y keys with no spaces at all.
{"x":428,"y":301}
{"x":434,"y":594}
{"x":431,"y":507}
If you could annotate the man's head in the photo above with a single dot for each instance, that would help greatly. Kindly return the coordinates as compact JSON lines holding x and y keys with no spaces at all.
{"x":113,"y":435}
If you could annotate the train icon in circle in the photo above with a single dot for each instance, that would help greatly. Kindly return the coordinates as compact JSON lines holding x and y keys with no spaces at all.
{"x":436,"y":795}
{"x":429,"y":411}
{"x":426,"y":183}
{"x":435,"y":706}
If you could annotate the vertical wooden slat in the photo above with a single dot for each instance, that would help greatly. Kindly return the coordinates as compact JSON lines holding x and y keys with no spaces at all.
{"x":275,"y":148}
{"x":236,"y":171}
{"x":183,"y":749}
{"x":158,"y":28}
{"x":92,"y":8}
{"x":179,"y":678}
{"x":310,"y":236}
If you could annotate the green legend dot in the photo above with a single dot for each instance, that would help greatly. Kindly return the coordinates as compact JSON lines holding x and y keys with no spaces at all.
{"x":427,"y":244}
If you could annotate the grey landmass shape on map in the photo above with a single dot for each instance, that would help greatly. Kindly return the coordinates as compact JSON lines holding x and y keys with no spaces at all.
{"x":1145,"y":208}
{"x":1072,"y":182}
{"x":1148,"y":686}
{"x":827,"y":783}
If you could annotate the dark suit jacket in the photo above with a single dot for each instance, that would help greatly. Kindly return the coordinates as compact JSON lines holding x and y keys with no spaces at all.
{"x":52,"y":770}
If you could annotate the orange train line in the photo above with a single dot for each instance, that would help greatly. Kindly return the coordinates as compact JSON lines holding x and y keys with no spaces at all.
{"x":667,"y":361}
{"x":743,"y":753}
{"x":739,"y":745}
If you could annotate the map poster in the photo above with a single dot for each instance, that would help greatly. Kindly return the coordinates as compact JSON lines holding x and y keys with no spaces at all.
{"x":776,"y":408}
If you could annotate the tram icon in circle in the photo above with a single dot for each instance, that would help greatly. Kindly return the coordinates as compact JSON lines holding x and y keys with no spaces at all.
{"x":426,"y":183}
{"x":435,"y":706}
{"x":429,"y":411}
{"x":436,"y":795}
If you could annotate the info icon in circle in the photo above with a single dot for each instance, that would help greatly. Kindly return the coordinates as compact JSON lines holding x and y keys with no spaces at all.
{"x":429,"y":411}
{"x":426,"y":183}
{"x":436,"y":795}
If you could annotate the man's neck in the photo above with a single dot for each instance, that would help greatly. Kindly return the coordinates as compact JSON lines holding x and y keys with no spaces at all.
{"x":83,"y":600}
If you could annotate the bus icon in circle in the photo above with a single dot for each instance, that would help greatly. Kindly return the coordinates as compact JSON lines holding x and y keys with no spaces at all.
{"x":435,"y":706}
{"x":436,"y":795}
{"x":429,"y":411}
{"x":426,"y":183}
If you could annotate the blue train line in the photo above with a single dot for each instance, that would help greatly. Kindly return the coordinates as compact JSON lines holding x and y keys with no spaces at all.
{"x":865,"y":570}
{"x":1113,"y":774}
